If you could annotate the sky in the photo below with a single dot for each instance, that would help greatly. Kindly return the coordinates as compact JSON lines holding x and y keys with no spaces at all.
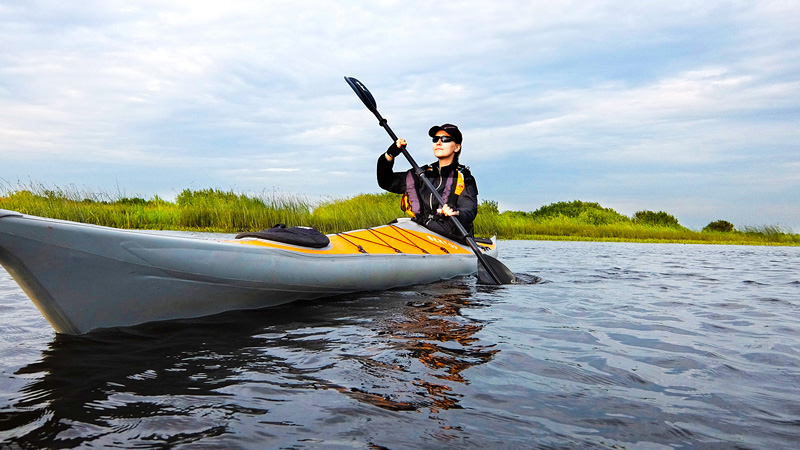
{"x":687,"y":107}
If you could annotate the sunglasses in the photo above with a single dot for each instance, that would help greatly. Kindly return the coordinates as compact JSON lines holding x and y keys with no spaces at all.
{"x":445,"y":139}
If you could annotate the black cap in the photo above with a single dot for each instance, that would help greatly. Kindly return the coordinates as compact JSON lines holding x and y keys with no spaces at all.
{"x":448,"y":128}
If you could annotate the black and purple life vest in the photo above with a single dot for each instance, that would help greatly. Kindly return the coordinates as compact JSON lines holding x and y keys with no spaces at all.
{"x":411,"y":202}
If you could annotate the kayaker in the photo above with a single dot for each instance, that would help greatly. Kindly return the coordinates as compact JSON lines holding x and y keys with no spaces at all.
{"x":453,"y":181}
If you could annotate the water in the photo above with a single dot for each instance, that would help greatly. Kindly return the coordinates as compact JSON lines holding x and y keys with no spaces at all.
{"x":617,"y":346}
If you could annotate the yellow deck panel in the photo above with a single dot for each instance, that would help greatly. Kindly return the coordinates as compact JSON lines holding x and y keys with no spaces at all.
{"x":380,"y":240}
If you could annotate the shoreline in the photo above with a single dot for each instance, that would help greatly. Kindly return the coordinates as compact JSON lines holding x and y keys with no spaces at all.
{"x":216,"y":211}
{"x":649,"y":241}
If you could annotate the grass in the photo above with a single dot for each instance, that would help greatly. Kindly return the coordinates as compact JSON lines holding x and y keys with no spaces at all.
{"x":203,"y":210}
{"x":228,"y":212}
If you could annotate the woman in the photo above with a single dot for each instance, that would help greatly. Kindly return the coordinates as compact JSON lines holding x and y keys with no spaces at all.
{"x":453,"y":182}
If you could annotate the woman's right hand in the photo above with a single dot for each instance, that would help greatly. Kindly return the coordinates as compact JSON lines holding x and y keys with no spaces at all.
{"x":394,"y":149}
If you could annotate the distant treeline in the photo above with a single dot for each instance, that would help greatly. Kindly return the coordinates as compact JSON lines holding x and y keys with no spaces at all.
{"x":229,"y":212}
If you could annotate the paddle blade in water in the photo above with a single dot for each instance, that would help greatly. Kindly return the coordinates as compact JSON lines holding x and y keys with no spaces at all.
{"x":504,"y":274}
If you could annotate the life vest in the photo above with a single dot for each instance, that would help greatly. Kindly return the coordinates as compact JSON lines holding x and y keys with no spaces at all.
{"x":453,"y":187}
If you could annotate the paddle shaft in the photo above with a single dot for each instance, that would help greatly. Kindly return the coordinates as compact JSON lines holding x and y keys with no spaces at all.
{"x":421,"y":174}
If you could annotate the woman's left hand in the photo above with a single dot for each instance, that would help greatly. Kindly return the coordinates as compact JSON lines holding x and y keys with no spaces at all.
{"x":447,"y":211}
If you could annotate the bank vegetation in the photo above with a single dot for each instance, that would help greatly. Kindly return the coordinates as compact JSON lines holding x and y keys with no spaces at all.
{"x":230,"y":212}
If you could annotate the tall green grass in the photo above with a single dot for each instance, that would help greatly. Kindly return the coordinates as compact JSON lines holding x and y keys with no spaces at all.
{"x":215,"y":209}
{"x":206,"y":210}
{"x":228,"y":211}
{"x":361,"y":211}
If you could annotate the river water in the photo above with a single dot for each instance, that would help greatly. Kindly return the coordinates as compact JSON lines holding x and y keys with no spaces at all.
{"x":610,"y":345}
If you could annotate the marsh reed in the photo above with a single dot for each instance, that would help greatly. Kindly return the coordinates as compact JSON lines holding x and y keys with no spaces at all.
{"x":228,"y":212}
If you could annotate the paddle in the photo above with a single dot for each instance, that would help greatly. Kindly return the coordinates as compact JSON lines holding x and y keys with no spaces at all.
{"x":490,"y":270}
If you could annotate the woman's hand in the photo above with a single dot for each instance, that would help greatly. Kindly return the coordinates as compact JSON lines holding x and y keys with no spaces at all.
{"x":447,"y":211}
{"x":395,"y":149}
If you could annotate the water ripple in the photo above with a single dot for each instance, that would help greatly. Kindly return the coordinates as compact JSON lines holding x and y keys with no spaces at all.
{"x":602,"y":346}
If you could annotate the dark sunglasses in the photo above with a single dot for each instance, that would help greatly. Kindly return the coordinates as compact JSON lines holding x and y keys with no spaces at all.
{"x":445,"y":139}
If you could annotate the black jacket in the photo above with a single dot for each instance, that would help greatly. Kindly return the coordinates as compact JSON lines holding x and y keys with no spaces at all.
{"x":466,"y":203}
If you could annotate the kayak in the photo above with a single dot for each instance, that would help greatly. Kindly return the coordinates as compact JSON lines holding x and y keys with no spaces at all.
{"x":83,"y":277}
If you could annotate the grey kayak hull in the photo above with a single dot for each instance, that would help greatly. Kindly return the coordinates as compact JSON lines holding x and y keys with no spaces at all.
{"x":83,"y":277}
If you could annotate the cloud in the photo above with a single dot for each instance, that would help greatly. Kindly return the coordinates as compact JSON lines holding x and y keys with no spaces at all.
{"x":170,"y":93}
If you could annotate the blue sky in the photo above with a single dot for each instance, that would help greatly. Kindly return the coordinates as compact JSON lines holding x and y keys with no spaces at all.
{"x":688,"y":107}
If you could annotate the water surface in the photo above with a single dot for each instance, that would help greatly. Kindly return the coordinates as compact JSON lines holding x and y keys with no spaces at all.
{"x":613,"y":346}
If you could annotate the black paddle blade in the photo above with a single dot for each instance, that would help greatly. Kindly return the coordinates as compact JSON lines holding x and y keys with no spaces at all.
{"x":363,"y":93}
{"x":504,"y":274}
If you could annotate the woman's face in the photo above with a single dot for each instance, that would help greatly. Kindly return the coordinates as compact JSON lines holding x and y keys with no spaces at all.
{"x":445,"y":151}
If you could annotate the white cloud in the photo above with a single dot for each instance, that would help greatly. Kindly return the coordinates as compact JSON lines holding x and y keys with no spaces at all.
{"x":206,"y":85}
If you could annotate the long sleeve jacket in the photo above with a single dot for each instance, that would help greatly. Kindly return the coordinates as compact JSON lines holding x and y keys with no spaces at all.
{"x":466,"y":204}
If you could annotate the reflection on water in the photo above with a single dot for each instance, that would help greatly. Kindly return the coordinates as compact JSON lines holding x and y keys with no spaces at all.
{"x":184,"y":381}
{"x":438,"y":336}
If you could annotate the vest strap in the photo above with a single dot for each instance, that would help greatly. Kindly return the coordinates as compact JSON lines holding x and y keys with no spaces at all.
{"x":411,"y":203}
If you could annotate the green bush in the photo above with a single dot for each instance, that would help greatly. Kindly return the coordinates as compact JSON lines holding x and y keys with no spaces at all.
{"x":656,"y":219}
{"x":719,"y":226}
{"x":128,"y":201}
{"x":584,"y":212}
